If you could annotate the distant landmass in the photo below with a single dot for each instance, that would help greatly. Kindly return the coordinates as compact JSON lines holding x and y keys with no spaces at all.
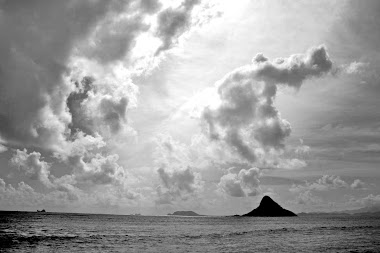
{"x":340,"y":213}
{"x":370,"y":210}
{"x":184,"y":213}
{"x":269,"y":208}
{"x":41,"y":211}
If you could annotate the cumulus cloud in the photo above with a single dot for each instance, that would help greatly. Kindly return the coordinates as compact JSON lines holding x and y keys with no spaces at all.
{"x":358,"y":184}
{"x":246,"y":118}
{"x":33,"y":104}
{"x":99,"y":170}
{"x":87,"y":170}
{"x":371,"y":200}
{"x":230,"y":184}
{"x":332,"y":181}
{"x":310,"y":193}
{"x":32,"y":165}
{"x":307,"y":198}
{"x":178,"y":184}
{"x":98,"y":111}
{"x":355,"y":67}
{"x":302,"y":149}
{"x":67,"y":65}
{"x":66,"y":85}
{"x":24,"y":197}
{"x":22,"y":194}
{"x":326,"y":182}
{"x":240,"y":183}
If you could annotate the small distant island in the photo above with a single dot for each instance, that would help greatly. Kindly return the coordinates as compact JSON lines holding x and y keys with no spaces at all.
{"x":41,"y":211}
{"x":184,"y":213}
{"x":269,"y":208}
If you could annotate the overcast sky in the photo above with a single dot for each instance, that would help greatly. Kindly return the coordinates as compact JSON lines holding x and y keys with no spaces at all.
{"x":150,"y":107}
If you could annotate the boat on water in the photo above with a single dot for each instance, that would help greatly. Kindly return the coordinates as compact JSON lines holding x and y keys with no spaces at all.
{"x":41,"y":211}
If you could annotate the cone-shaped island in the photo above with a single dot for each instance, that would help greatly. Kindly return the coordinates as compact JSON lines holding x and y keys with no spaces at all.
{"x":269,"y":208}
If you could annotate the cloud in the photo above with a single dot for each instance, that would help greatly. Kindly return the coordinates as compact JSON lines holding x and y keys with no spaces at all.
{"x":307,"y":198}
{"x":230,"y":184}
{"x":246,"y":118}
{"x":371,"y":200}
{"x":179,"y":184}
{"x":332,"y":182}
{"x":99,"y":170}
{"x":170,"y":152}
{"x":114,"y":38}
{"x":67,"y":65}
{"x":24,"y":197}
{"x":3,"y":148}
{"x":249,"y":179}
{"x":355,"y":67}
{"x":302,"y":149}
{"x":310,"y":193}
{"x":358,"y":184}
{"x":173,"y":22}
{"x":357,"y":26}
{"x":241,"y":183}
{"x":33,"y":101}
{"x":66,"y":90}
{"x":326,"y":182}
{"x":32,"y":165}
{"x":150,"y":6}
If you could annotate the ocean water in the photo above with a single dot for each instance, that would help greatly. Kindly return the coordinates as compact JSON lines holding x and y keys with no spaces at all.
{"x":61,"y":232}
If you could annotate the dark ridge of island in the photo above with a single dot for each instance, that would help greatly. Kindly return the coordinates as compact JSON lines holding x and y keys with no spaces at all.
{"x":184,"y":213}
{"x":41,"y":211}
{"x":269,"y":208}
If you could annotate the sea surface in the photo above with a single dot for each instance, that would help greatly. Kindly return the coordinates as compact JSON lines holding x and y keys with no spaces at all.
{"x":62,"y":232}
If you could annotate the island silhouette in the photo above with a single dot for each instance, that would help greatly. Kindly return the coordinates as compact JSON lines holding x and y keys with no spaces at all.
{"x":269,"y":208}
{"x":184,"y":213}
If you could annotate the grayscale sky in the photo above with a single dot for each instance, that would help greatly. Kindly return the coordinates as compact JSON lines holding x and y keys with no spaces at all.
{"x":149,"y":106}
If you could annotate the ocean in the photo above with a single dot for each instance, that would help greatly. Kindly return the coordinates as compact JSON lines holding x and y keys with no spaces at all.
{"x":63,"y":232}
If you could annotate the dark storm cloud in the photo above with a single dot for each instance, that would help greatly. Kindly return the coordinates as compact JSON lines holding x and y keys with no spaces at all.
{"x":247,"y":118}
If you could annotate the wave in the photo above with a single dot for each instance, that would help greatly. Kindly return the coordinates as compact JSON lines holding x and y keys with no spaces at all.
{"x":10,"y":237}
{"x":277,"y":231}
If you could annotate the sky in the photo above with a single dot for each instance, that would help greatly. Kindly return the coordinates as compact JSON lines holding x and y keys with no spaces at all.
{"x":148,"y":106}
